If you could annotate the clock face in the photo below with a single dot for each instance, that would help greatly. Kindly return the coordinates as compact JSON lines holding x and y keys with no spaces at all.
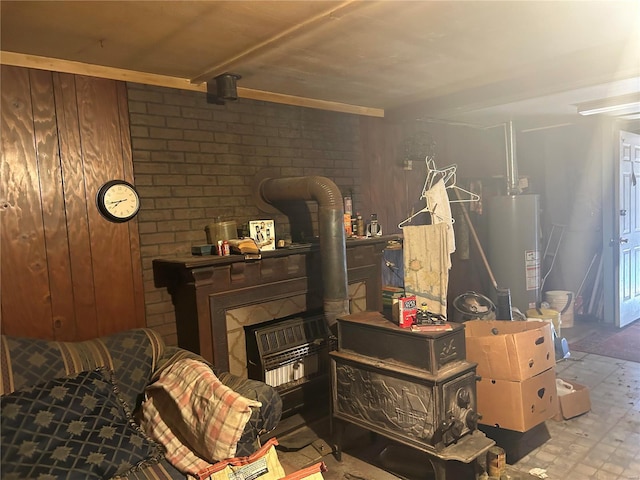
{"x":118,"y":201}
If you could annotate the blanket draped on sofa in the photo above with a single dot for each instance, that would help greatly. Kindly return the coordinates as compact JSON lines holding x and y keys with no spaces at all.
{"x":135,"y":356}
{"x":196,"y":417}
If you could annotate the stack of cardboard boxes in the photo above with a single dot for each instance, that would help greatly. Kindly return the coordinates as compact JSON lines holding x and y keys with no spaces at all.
{"x":516,"y":366}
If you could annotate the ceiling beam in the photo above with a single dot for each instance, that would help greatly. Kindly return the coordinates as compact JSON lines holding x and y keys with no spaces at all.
{"x":227,"y":66}
{"x":91,"y":70}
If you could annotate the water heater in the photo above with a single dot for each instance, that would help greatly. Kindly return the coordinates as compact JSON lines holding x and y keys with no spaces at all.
{"x":514,"y":253}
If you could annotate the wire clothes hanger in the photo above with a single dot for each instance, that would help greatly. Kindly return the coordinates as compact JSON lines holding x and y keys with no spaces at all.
{"x":448,"y":177}
{"x":427,"y":209}
{"x":447,"y":174}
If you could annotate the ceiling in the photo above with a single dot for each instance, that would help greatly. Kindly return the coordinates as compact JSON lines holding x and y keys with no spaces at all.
{"x":478,"y":62}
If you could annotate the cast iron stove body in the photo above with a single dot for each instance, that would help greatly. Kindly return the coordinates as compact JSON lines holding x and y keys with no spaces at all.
{"x":414,"y":387}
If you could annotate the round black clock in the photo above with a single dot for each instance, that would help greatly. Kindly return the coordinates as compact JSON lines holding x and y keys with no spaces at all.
{"x":118,"y":201}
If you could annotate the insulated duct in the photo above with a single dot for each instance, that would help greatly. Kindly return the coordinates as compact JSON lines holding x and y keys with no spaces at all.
{"x":331,"y":231}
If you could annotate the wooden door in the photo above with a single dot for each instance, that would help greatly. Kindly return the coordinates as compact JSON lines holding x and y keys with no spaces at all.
{"x":628,"y":237}
{"x":67,"y":273}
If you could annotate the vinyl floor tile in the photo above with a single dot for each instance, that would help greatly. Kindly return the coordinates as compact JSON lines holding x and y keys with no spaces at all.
{"x":603,"y":444}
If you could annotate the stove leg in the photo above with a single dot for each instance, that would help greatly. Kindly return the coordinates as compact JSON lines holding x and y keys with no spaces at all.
{"x":337,"y":428}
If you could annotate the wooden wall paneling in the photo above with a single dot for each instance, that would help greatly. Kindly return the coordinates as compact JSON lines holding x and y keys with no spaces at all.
{"x":52,"y":200}
{"x":369,"y":168}
{"x":406,"y":185}
{"x":110,"y":251}
{"x":26,"y":300}
{"x":82,"y":283}
{"x":134,"y":236}
{"x":388,"y":189}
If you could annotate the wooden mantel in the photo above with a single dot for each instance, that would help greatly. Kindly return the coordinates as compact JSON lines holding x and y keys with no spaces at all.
{"x":203,"y":288}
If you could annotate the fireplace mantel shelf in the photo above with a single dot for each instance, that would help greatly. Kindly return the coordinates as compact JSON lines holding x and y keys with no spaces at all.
{"x":204,"y":288}
{"x":195,"y":261}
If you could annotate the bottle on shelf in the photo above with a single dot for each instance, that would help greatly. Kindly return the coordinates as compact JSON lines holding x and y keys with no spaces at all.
{"x":360,"y":225}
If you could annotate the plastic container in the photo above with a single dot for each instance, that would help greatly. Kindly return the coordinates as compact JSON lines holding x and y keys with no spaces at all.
{"x":221,"y":231}
{"x":547,"y":314}
{"x":562,"y":301}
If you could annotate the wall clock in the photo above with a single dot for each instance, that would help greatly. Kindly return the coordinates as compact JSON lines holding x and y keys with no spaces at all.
{"x":118,"y":201}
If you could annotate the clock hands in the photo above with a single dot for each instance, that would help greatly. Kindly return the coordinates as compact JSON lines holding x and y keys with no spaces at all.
{"x":117,"y":200}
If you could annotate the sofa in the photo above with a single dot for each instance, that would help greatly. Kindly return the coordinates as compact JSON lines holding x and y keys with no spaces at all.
{"x":35,"y":372}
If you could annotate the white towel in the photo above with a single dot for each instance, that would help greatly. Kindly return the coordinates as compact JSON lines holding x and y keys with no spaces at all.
{"x":438,"y":203}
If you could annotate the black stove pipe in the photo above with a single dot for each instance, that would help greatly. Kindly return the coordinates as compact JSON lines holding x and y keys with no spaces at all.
{"x":331,"y":230}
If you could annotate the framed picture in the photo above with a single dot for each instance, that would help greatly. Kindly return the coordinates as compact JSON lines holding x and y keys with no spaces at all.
{"x":264,"y":234}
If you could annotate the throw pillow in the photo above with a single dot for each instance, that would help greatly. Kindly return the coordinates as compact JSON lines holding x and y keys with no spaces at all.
{"x":197,"y":418}
{"x":72,"y":427}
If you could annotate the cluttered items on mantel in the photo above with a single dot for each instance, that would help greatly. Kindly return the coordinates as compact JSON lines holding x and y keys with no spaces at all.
{"x":258,"y":236}
{"x":223,"y":238}
{"x":354,"y":224}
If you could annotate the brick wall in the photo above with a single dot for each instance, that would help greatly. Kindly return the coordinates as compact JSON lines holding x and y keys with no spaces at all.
{"x":194,"y":162}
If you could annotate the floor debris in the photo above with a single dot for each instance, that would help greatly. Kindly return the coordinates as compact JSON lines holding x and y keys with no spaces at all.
{"x":539,"y":472}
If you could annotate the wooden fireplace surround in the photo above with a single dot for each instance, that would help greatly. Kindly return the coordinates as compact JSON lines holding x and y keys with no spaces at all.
{"x":203,"y":288}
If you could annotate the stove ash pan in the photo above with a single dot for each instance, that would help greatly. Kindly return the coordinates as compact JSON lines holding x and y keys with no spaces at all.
{"x":406,"y":404}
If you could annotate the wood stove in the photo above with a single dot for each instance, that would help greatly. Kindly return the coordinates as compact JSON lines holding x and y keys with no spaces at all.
{"x":414,"y":388}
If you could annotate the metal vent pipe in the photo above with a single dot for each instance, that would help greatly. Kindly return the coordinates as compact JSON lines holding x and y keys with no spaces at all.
{"x":331,"y":230}
{"x":513,"y":181}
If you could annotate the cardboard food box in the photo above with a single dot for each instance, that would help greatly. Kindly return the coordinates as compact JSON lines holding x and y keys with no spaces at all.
{"x":509,"y":350}
{"x":404,"y":311}
{"x":517,"y":405}
{"x":574,"y":403}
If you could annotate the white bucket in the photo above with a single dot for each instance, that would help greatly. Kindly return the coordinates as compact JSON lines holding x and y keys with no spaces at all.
{"x":561,"y":301}
{"x":547,"y":314}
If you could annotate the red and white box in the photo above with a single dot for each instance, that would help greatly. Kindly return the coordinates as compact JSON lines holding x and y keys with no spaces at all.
{"x":405,"y":310}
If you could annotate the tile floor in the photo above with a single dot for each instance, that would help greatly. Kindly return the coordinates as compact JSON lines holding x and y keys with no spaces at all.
{"x":603,"y":444}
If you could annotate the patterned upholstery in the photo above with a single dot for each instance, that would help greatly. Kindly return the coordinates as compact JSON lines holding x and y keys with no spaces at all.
{"x":136,"y":357}
{"x":132,"y":355}
{"x":76,"y":426}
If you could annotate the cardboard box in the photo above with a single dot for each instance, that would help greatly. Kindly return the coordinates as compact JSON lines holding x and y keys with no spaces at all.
{"x":404,"y":311}
{"x":510,"y":350}
{"x":574,"y":403}
{"x":515,"y":405}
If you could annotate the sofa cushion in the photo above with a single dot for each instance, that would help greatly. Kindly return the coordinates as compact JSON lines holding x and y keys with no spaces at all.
{"x":72,"y":427}
{"x":132,"y":355}
{"x":197,"y":418}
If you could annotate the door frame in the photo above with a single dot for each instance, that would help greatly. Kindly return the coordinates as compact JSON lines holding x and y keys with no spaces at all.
{"x":610,"y":222}
{"x":610,"y":133}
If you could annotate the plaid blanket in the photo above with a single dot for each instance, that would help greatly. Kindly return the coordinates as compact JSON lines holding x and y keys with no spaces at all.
{"x":198,"y":419}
